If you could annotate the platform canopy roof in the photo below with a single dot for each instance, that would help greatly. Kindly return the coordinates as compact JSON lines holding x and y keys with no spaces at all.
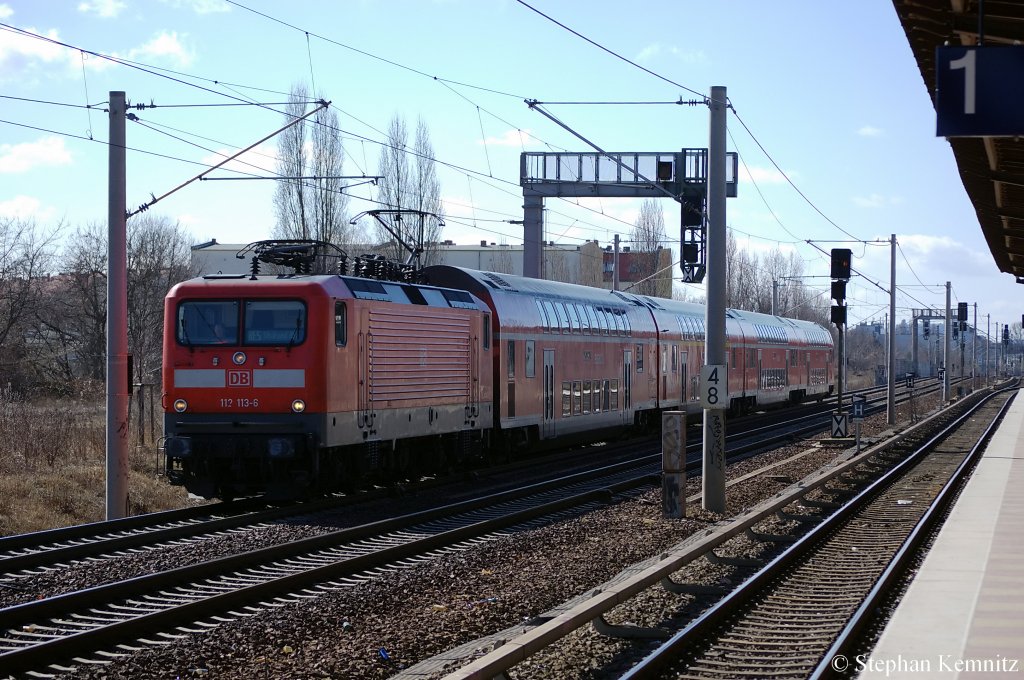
{"x":992,"y":168}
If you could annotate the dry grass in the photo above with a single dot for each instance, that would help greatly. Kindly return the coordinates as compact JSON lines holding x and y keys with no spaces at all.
{"x":53,"y":466}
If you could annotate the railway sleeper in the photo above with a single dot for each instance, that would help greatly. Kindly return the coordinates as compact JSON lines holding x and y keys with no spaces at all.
{"x":678,"y":588}
{"x":769,"y":538}
{"x":822,"y":505}
{"x":803,"y":519}
{"x":733,"y":561}
{"x":628,"y":631}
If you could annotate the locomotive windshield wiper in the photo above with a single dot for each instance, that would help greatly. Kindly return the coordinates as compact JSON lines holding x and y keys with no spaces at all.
{"x":184,"y":334}
{"x":295,"y":333}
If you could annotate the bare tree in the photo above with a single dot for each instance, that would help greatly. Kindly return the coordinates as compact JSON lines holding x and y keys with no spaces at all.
{"x":309,"y":201}
{"x":26,"y":254}
{"x":751,"y":280}
{"x":648,"y":237}
{"x":159,"y":255}
{"x":409,"y":184}
{"x":81,"y":308}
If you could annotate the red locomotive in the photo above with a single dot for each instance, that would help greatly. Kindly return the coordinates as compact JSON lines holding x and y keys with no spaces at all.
{"x":289,"y":384}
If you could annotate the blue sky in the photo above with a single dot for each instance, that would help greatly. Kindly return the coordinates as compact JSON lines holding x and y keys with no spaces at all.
{"x":830,"y":90}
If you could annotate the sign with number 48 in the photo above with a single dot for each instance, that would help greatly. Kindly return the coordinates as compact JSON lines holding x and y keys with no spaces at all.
{"x":714,"y":387}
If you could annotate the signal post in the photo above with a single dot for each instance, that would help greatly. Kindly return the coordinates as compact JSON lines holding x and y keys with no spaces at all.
{"x":840,"y":271}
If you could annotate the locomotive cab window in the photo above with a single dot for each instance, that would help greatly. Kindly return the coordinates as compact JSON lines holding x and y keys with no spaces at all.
{"x":275,"y":322}
{"x":340,"y":324}
{"x":207,"y":322}
{"x":487,"y":331}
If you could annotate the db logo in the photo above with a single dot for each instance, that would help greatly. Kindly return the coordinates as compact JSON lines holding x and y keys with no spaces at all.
{"x":239,"y":378}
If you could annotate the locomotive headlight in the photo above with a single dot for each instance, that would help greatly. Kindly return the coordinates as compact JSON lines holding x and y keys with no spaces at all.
{"x":180,"y":405}
{"x":238,"y":358}
{"x":298,"y":406}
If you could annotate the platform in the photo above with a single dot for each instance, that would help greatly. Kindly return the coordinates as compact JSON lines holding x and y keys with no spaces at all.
{"x":963,"y":614}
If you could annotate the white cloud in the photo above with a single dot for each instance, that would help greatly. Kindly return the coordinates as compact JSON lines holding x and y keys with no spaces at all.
{"x":513,"y":138}
{"x":5,"y":11}
{"x":162,"y":46}
{"x":49,"y":151}
{"x":761,"y":175}
{"x":649,"y":52}
{"x":876,"y":201}
{"x":657,"y":50}
{"x":201,"y":6}
{"x":26,"y":207}
{"x":17,"y":49}
{"x":929,"y":255}
{"x":106,"y":9}
{"x":869,"y":131}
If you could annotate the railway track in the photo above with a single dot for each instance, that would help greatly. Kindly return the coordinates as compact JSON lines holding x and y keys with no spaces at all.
{"x":648,"y":594}
{"x":783,"y":621}
{"x":74,"y":623}
{"x":58,"y":548}
{"x":198,"y":596}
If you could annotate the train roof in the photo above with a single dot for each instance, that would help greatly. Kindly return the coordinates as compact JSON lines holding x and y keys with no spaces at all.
{"x":331,"y":284}
{"x":481,"y":282}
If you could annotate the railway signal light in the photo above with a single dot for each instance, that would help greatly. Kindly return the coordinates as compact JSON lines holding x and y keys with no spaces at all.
{"x":961,"y":311}
{"x":956,"y":328}
{"x":839,"y":315}
{"x":927,"y":328}
{"x":839,"y":291}
{"x":1006,"y":334}
{"x":841,"y":258}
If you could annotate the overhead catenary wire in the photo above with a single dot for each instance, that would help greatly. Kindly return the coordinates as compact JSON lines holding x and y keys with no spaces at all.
{"x":220,"y":83}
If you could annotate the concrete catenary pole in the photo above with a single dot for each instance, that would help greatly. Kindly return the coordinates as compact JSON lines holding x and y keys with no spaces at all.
{"x":988,"y":346}
{"x":533,"y":236}
{"x":117,"y":316}
{"x":713,"y":482}
{"x":974,"y":351}
{"x":615,"y":264}
{"x":891,"y":391}
{"x":945,"y":347}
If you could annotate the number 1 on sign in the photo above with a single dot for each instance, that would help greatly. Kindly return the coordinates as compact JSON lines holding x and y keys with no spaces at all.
{"x":713,"y":387}
{"x":967,"y":63}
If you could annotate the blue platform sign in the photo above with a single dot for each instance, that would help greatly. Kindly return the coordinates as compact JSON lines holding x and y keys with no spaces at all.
{"x":979,"y":91}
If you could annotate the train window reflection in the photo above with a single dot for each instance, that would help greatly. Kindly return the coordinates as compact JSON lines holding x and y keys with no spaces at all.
{"x":208,"y":322}
{"x":275,"y":322}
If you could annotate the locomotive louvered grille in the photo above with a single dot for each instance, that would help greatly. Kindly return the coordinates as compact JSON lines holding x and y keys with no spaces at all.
{"x":418,"y":357}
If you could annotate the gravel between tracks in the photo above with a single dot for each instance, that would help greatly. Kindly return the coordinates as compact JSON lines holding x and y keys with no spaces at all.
{"x":375,"y":629}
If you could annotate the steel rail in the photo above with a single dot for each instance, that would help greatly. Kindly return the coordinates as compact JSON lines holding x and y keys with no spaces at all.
{"x":520,"y":647}
{"x":724,"y":608}
{"x":908,"y":550}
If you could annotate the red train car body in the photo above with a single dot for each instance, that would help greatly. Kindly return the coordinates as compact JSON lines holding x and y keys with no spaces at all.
{"x":280,"y":384}
{"x":283,"y":385}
